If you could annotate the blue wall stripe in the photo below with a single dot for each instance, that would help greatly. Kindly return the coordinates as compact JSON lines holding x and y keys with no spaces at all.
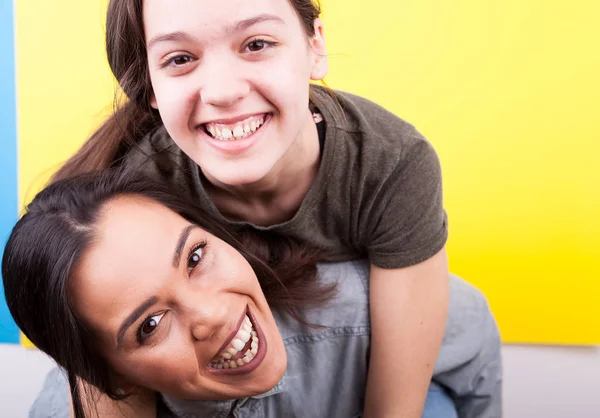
{"x":9,"y":332}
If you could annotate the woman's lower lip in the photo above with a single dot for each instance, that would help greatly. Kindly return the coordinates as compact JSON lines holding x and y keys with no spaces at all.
{"x":236,"y":146}
{"x":258,"y":358}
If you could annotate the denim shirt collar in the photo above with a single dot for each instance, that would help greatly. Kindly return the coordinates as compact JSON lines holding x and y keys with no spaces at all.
{"x":216,"y":409}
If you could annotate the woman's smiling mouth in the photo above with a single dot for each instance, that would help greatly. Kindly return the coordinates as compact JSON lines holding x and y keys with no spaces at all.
{"x":244,"y":351}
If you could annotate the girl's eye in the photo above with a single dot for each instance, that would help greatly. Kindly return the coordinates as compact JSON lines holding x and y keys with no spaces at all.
{"x":258,"y":45}
{"x":183,"y":59}
{"x":195,"y":257}
{"x":177,"y":61}
{"x":149,"y":326}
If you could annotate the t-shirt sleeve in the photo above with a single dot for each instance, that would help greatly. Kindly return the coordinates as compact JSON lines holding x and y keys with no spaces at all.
{"x":407,"y":223}
{"x":158,"y":158}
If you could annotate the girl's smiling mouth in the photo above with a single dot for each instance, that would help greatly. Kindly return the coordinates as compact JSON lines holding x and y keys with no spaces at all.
{"x":244,"y":351}
{"x":234,"y":130}
{"x":236,"y":135}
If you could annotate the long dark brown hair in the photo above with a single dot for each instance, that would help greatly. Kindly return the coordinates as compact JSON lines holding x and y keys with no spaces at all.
{"x":48,"y":241}
{"x":135,"y":118}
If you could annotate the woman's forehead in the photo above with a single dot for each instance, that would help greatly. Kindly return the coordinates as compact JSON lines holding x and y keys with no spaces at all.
{"x":133,"y":238}
{"x":129,"y":219}
{"x":131,"y":254}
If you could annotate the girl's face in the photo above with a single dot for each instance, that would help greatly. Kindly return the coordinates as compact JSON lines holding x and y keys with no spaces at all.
{"x":175,"y":309}
{"x":231,"y":81}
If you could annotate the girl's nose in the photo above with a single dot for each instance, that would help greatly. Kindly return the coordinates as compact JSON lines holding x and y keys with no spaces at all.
{"x":223,"y":86}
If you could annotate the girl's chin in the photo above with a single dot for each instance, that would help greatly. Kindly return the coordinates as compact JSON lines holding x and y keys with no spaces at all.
{"x":243,"y":177}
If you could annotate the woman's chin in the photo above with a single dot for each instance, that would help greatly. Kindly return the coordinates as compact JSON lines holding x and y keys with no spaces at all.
{"x":265,"y":377}
{"x":262,"y":380}
{"x":273,"y":375}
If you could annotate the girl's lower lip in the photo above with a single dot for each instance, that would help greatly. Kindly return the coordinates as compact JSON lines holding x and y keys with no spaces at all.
{"x":258,"y":358}
{"x":236,"y":146}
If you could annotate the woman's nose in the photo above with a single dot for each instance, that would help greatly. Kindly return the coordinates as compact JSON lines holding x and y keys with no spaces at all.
{"x":207,"y":319}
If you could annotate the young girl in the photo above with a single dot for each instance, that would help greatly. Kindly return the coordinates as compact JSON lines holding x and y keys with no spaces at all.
{"x":148,"y":292}
{"x":220,"y":107}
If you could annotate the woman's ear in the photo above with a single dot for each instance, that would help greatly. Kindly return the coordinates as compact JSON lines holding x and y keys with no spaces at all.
{"x":320,"y":65}
{"x":141,"y":402}
{"x":153,"y":101}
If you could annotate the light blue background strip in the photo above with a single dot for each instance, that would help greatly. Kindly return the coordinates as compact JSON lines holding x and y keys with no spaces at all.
{"x":9,"y":332}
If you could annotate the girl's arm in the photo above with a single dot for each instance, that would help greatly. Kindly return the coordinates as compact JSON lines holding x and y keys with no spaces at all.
{"x":408,"y":308}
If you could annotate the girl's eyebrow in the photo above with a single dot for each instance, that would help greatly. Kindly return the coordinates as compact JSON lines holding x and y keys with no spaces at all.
{"x":170,"y":37}
{"x":246,"y":23}
{"x":236,"y":27}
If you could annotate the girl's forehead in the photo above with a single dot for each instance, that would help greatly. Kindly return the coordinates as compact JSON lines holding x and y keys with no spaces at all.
{"x":188,"y":15}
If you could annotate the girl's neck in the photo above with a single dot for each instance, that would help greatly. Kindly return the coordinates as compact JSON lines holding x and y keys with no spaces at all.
{"x":277,"y":196}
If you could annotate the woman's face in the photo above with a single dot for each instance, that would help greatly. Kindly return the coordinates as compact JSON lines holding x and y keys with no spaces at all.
{"x":175,"y":309}
{"x":231,"y":81}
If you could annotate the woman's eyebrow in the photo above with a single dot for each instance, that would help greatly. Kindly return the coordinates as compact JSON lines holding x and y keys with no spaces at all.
{"x":133,"y":317}
{"x":236,"y":27}
{"x":130,"y":320}
{"x":185,"y":233}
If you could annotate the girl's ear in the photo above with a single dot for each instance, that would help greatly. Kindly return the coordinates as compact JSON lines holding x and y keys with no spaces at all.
{"x":320,"y":66}
{"x":153,"y":101}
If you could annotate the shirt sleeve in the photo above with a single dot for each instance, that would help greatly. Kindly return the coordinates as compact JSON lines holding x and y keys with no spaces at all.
{"x":408,"y":224}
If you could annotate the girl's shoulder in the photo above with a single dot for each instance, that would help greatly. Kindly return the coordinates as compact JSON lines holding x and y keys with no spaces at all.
{"x":158,"y":157}
{"x":367,"y":140}
{"x":358,"y":115}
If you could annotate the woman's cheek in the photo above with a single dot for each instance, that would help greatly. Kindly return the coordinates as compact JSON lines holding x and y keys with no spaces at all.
{"x":162,"y":371}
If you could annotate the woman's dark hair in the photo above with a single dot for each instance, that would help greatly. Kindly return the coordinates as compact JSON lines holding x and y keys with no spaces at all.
{"x":49,"y":240}
{"x":131,"y":121}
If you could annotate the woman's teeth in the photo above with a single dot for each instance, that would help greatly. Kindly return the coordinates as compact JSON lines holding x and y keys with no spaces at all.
{"x":236,"y":131}
{"x":233,"y":355}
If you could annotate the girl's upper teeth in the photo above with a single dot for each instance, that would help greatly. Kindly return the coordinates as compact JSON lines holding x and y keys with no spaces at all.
{"x":238,"y":130}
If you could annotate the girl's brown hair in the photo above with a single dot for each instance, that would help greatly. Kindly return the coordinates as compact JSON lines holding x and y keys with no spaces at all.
{"x":131,"y":121}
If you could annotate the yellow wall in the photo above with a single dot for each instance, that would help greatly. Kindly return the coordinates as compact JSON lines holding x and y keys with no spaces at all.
{"x":506,"y":91}
{"x":64,"y":85}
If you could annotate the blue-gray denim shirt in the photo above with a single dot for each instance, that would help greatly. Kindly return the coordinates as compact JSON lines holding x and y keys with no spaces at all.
{"x":327,"y":367}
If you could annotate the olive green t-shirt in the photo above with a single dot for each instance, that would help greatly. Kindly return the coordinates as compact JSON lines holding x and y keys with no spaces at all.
{"x":377,"y":193}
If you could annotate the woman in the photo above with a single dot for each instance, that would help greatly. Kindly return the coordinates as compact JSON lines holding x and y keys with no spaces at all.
{"x":220,"y":106}
{"x":146,"y":292}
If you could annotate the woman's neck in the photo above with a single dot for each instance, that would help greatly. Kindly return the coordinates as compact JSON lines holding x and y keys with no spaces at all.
{"x":276,"y":197}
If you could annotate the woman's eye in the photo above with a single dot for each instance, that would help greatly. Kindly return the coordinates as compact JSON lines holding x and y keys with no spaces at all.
{"x":149,"y":326}
{"x":195,"y":257}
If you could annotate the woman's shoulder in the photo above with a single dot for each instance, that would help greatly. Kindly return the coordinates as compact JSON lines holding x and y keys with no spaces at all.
{"x":347,"y":312}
